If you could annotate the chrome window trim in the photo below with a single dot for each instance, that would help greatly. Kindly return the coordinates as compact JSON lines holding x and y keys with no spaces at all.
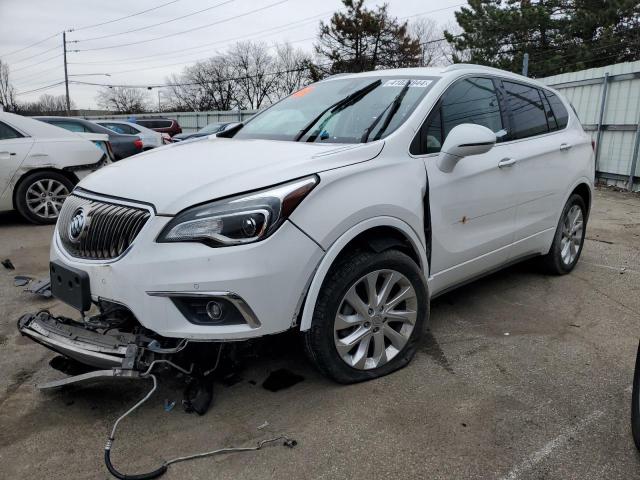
{"x":492,"y":76}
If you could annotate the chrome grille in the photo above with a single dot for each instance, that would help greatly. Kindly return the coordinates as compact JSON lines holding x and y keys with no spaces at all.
{"x":107,"y":230}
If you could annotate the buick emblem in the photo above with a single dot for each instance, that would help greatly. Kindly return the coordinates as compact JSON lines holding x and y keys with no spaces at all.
{"x":78,"y":225}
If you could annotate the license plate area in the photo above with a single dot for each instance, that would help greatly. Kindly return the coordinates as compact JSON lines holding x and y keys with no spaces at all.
{"x":70,"y":285}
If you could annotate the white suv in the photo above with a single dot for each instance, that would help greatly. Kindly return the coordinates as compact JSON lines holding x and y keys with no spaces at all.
{"x":340,"y":211}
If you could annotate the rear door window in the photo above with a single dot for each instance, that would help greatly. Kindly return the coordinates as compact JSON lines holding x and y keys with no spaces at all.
{"x":528,"y":117}
{"x":471,"y":100}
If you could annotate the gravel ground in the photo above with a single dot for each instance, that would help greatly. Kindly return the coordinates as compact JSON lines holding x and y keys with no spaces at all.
{"x":521,"y":376}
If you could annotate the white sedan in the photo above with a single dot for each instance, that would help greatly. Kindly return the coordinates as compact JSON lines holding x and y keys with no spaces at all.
{"x":40,"y":164}
{"x":150,"y":138}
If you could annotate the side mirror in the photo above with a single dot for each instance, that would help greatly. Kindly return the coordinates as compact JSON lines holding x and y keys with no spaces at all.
{"x":463,"y":141}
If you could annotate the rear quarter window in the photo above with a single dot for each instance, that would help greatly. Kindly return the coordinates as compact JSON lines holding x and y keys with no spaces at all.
{"x":7,"y":133}
{"x":559,"y":110}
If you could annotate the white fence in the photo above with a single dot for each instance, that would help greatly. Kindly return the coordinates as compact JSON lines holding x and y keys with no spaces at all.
{"x":607,"y":100}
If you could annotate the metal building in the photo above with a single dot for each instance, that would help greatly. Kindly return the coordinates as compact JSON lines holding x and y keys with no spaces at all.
{"x":607,"y":100}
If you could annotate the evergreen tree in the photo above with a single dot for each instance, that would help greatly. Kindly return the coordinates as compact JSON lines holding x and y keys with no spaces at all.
{"x":558,"y":35}
{"x":361,"y":39}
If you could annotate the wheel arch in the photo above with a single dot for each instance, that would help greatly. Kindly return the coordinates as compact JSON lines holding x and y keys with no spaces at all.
{"x":584,"y":191}
{"x":24,"y":175}
{"x":378,"y":234}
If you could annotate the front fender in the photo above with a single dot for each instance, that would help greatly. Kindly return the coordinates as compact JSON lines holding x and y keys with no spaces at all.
{"x":336,"y":247}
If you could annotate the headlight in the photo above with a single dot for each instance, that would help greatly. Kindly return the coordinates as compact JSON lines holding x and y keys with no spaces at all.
{"x":241,"y":219}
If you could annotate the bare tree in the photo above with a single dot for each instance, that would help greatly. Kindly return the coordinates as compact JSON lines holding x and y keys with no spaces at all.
{"x":246,"y":76}
{"x":47,"y":104}
{"x":448,"y":49}
{"x":426,"y":31}
{"x":206,"y":85}
{"x":293,"y":67}
{"x":255,"y":74}
{"x":123,"y":99}
{"x":7,"y":90}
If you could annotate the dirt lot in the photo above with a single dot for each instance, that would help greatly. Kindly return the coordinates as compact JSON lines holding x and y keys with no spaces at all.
{"x":522,"y":376}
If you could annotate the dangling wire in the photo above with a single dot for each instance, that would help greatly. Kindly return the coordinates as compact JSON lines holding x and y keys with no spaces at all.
{"x":287,"y":442}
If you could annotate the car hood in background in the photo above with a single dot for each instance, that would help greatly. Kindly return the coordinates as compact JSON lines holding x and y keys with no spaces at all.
{"x":177,"y":176}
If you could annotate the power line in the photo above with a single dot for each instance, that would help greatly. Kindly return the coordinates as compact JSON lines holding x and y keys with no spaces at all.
{"x":37,"y":63}
{"x":37,"y":54}
{"x":433,"y":11}
{"x":86,"y":27}
{"x":185,"y":84}
{"x":29,"y":76}
{"x":31,"y":45}
{"x":271,"y":5}
{"x":41,"y":89}
{"x":278,"y":29}
{"x":153,"y":25}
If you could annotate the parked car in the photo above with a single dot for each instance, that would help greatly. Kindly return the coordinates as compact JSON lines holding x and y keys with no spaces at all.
{"x":150,"y":138}
{"x":123,"y":145}
{"x":40,"y":164}
{"x":203,"y":132}
{"x":340,"y":211}
{"x":162,"y":125}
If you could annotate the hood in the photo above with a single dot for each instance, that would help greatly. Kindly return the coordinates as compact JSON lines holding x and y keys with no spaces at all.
{"x":180,"y":175}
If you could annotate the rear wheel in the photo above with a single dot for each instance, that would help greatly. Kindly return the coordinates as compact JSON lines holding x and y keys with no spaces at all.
{"x":40,"y":195}
{"x":569,"y":238}
{"x":369,"y":316}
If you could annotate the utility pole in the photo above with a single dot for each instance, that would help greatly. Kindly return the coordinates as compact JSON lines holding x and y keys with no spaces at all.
{"x":525,"y":65}
{"x":66,"y":76}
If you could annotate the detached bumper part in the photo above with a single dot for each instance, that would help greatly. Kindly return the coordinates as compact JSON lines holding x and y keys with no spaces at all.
{"x":74,"y":341}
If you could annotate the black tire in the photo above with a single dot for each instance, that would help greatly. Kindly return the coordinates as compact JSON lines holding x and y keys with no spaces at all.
{"x":23,"y":188}
{"x":635,"y":402}
{"x":553,"y":262}
{"x":319,"y":339}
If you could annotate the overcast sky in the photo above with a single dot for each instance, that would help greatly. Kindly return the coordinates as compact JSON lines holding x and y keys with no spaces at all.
{"x":25,"y":22}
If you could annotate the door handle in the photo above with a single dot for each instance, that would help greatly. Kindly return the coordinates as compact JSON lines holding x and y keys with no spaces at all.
{"x":506,"y":162}
{"x":565,"y":146}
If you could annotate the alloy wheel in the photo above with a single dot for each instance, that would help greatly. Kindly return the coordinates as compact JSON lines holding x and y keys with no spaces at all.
{"x":45,"y":198}
{"x":572,"y":230}
{"x":375,"y":319}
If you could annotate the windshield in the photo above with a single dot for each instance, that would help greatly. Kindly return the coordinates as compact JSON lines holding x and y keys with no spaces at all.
{"x":341,"y":111}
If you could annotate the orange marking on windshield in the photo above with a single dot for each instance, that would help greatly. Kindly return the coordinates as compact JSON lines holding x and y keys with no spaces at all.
{"x":303,"y":92}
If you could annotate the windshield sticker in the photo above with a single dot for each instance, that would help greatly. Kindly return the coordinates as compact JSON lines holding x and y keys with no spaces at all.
{"x":401,"y":83}
{"x":303,"y":92}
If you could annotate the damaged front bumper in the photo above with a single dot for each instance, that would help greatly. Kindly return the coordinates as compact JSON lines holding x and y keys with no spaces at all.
{"x":73,"y":340}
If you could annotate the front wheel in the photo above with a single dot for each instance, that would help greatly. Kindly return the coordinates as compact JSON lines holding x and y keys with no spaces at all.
{"x":569,"y":238}
{"x":369,"y":317}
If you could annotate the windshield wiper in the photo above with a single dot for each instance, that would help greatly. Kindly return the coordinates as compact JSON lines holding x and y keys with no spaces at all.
{"x":335,"y":108}
{"x":393,"y":108}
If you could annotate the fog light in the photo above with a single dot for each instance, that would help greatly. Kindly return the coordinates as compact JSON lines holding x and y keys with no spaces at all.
{"x":214,"y":310}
